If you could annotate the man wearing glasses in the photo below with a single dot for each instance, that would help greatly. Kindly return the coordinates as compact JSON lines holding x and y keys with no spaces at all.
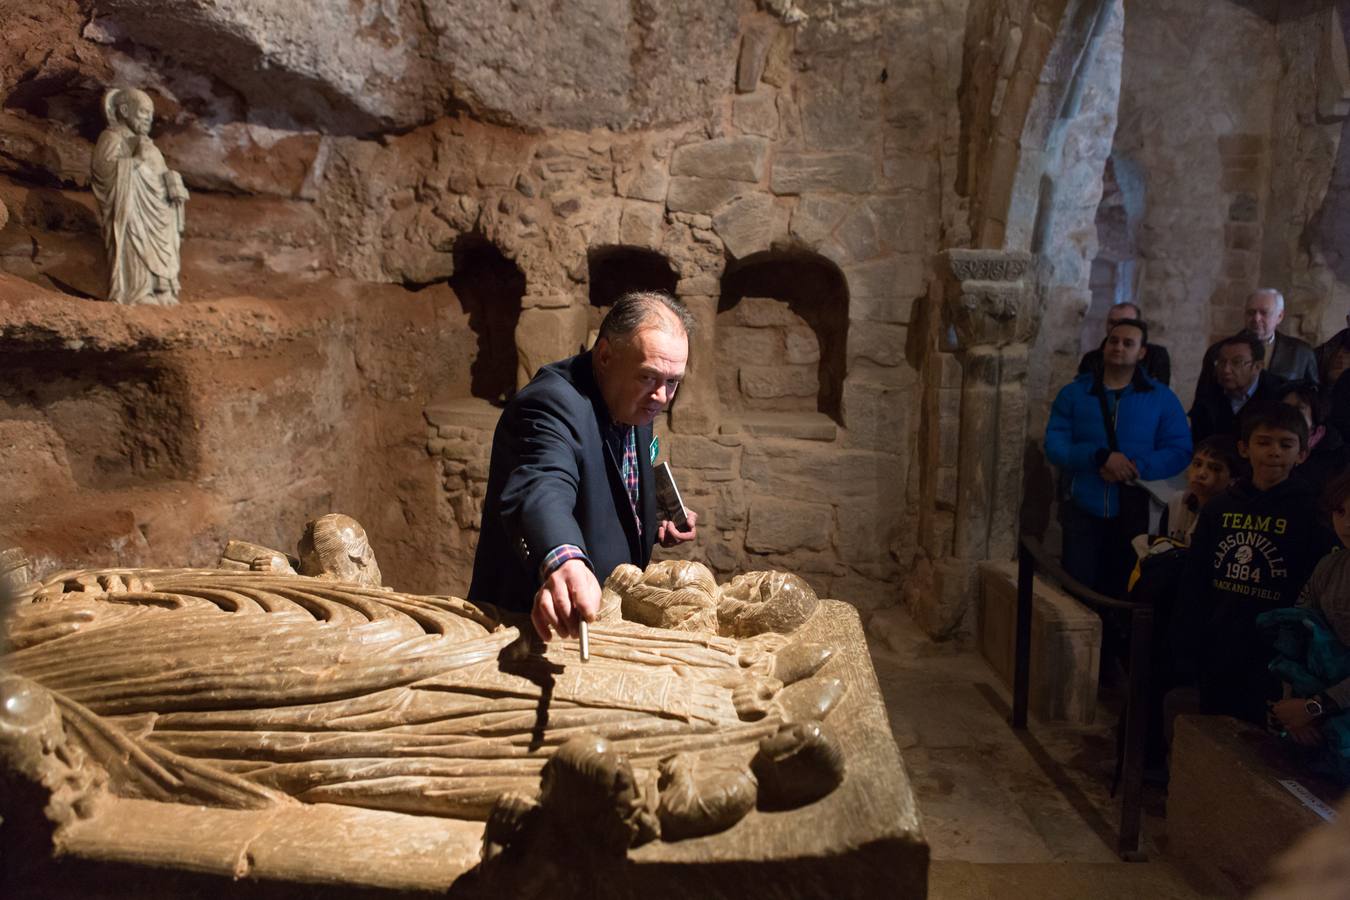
{"x":1238,"y":382}
{"x":1284,"y":356}
{"x":570,"y":493}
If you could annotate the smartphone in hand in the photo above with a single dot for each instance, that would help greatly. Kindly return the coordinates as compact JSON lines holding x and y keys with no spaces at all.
{"x":668,"y":497}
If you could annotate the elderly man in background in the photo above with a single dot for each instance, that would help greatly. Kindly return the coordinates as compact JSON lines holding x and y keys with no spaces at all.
{"x":1285,"y":356}
{"x":1157,"y":364}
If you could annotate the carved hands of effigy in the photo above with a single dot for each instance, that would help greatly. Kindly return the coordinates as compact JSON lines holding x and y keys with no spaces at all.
{"x":251,"y":686}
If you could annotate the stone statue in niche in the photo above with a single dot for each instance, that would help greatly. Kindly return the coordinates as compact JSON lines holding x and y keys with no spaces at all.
{"x":140,"y":203}
{"x":250,"y":687}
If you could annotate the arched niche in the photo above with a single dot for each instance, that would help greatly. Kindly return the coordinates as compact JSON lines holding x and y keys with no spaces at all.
{"x":781,"y":334}
{"x":489,"y":287}
{"x":1115,"y":268}
{"x":614,"y":271}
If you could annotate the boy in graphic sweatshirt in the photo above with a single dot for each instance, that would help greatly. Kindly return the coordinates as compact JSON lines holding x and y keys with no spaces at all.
{"x":1252,"y":550}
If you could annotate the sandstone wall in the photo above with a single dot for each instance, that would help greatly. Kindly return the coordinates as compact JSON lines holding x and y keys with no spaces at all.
{"x":432,"y":207}
{"x":1197,"y":96}
{"x":1307,"y":229}
{"x":400,"y":212}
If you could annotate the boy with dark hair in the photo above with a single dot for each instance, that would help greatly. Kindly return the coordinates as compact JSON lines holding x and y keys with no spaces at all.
{"x":1253,"y":548}
{"x":1215,"y":465}
{"x":1328,"y":454}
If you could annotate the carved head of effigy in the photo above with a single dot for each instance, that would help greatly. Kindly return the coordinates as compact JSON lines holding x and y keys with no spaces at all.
{"x":758,"y":602}
{"x":674,"y":593}
{"x":130,"y":107}
{"x":335,"y":546}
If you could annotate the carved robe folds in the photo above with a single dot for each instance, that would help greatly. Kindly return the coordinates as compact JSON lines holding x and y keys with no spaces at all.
{"x":140,"y":209}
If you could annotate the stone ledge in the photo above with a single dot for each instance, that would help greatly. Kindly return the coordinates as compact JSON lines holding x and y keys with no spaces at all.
{"x":1066,"y":640}
{"x":804,"y":426}
{"x":1228,"y":815}
{"x":469,"y":412}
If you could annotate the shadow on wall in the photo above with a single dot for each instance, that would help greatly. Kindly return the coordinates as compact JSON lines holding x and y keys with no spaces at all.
{"x":489,"y":287}
{"x":1115,"y":269}
{"x":614,"y":271}
{"x":1331,"y":226}
{"x":782,"y":326}
{"x":94,"y":421}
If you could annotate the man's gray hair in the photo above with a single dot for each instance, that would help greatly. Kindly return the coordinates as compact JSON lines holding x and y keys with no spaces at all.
{"x":1279,"y":298}
{"x":638,"y":309}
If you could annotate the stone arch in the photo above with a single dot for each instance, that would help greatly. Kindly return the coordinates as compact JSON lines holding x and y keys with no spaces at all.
{"x":1022,"y":78}
{"x":781,"y":335}
{"x":490,"y":288}
{"x":615,"y":270}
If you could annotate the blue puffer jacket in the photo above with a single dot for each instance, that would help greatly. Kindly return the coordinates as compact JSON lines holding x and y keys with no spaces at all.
{"x":1151,"y":427}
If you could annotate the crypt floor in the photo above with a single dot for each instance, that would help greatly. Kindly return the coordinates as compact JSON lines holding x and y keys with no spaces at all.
{"x":1011,"y":815}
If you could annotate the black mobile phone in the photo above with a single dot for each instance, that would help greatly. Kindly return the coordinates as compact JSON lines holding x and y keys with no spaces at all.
{"x":668,"y":497}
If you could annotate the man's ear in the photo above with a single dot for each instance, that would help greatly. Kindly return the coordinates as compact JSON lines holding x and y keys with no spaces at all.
{"x":603,"y":352}
{"x":1242,"y":450}
{"x":1143,"y":351}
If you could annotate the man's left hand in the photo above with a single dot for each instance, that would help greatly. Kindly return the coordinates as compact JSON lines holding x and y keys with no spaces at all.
{"x":669,"y":534}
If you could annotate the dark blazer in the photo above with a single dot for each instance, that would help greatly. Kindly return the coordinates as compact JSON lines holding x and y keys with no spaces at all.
{"x":1290,"y":358}
{"x":554,"y":479}
{"x":1157,"y":362}
{"x":1325,"y":353}
{"x":1213,"y":414}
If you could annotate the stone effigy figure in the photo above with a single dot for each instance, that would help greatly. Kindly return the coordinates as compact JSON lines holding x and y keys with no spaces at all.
{"x":140,"y":203}
{"x":249,"y":688}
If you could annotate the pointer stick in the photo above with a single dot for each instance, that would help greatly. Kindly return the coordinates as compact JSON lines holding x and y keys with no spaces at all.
{"x":585,"y":635}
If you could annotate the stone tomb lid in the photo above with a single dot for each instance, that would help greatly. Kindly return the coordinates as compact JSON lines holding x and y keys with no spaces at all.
{"x":862,"y":840}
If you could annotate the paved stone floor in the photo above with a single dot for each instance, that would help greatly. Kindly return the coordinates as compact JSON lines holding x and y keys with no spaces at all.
{"x":1010,"y":814}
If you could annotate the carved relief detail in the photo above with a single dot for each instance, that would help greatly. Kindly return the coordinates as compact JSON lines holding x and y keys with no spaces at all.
{"x":989,"y":297}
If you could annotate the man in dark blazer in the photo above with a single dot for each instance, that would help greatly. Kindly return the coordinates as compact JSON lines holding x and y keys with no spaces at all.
{"x":1286,"y":356}
{"x":1239,"y":385}
{"x":1157,"y":363}
{"x":570,"y":492}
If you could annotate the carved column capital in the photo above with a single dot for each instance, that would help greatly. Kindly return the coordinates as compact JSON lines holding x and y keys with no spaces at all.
{"x":989,"y":297}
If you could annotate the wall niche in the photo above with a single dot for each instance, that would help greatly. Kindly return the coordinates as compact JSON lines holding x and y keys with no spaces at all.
{"x":616,"y":270}
{"x":489,"y":288}
{"x":782,"y":323}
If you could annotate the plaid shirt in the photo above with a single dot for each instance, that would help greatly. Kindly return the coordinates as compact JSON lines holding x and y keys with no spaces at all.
{"x":629,"y":471}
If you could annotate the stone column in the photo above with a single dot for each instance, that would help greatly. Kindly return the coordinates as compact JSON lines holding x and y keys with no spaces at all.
{"x":990,"y":303}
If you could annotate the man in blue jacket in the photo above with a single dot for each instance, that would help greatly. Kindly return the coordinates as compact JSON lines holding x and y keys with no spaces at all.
{"x":570,"y":493}
{"x":1106,"y":431}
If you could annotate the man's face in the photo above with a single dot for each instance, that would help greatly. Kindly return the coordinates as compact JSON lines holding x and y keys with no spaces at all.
{"x":1263,"y":315}
{"x":1234,"y":369}
{"x":1124,"y":346}
{"x":1122,"y":311}
{"x":1273,"y":453}
{"x":638,"y":376}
